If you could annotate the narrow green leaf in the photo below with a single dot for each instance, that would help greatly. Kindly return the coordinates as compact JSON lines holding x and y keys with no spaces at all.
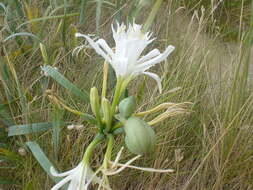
{"x":58,"y":77}
{"x":28,"y":128}
{"x":22,"y":34}
{"x":82,"y":11}
{"x":18,"y":7}
{"x":57,"y":123}
{"x":48,"y":18}
{"x":42,"y":159}
{"x":98,"y":14}
{"x":152,"y":15}
{"x":119,"y":4}
{"x":89,"y":118}
{"x":3,"y":6}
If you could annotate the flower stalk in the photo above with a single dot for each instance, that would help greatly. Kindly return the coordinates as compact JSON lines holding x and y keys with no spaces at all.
{"x":108,"y":152}
{"x":117,"y":94}
{"x":89,"y":150}
{"x":105,"y":78}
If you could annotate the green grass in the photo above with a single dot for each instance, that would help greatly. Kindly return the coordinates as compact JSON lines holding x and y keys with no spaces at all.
{"x":214,"y":141}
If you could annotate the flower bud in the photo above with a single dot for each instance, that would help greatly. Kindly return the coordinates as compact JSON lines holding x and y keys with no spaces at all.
{"x":94,"y":101}
{"x":106,"y":108}
{"x":127,"y":107}
{"x":140,"y":137}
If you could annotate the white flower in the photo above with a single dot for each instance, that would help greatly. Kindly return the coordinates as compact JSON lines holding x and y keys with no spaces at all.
{"x":129,"y":45}
{"x":80,"y":177}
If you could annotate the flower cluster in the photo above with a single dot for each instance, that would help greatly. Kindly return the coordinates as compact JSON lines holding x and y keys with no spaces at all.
{"x":119,"y":116}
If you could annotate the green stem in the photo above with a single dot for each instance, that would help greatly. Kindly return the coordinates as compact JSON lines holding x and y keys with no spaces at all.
{"x":105,"y":77}
{"x":118,"y":125}
{"x":119,"y":89}
{"x":108,"y":152}
{"x":91,"y":147}
{"x":152,"y":15}
{"x":117,"y":95}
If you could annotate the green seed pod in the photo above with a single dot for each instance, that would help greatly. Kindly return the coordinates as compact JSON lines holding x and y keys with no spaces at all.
{"x":127,"y":107}
{"x":140,"y":137}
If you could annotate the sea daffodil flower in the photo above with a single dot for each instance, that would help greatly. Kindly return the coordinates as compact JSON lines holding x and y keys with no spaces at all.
{"x":129,"y":45}
{"x":79,"y":178}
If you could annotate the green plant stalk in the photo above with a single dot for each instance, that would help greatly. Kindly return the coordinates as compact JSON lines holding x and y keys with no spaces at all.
{"x":117,"y":94}
{"x":49,"y":18}
{"x":248,"y":44}
{"x":108,"y":152}
{"x":105,"y":78}
{"x":119,"y":90}
{"x":98,"y":14}
{"x":152,"y":15}
{"x":88,"y":153}
{"x":82,"y":12}
{"x":118,"y":125}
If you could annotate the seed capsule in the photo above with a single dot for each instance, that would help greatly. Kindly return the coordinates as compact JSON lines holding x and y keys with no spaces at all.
{"x":127,"y":107}
{"x":140,"y":137}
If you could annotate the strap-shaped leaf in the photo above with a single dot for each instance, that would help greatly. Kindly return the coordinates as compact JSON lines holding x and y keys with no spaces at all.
{"x":22,"y":34}
{"x":58,"y":77}
{"x":57,"y":123}
{"x":42,"y":159}
{"x":28,"y":128}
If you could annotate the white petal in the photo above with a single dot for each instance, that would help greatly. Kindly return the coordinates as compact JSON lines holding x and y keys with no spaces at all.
{"x":78,"y":49}
{"x":157,"y":78}
{"x":120,"y":66}
{"x":91,"y":176}
{"x":61,"y":183}
{"x":74,"y":184}
{"x":146,"y":65}
{"x":95,"y":46}
{"x":105,"y":46}
{"x":123,"y":167}
{"x":117,"y":157}
{"x":150,"y":55}
{"x":147,"y":169}
{"x":113,"y":30}
{"x":83,"y":176}
{"x":56,"y":174}
{"x":134,"y":48}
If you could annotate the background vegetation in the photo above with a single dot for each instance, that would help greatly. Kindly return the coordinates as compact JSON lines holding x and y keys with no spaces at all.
{"x":210,"y":148}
